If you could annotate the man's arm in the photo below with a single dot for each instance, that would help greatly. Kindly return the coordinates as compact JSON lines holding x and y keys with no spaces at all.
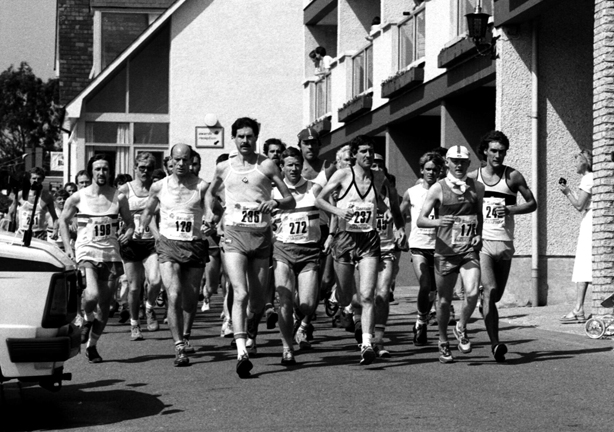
{"x":124,"y":211}
{"x":70,"y":209}
{"x":287,"y":202}
{"x":406,"y":206}
{"x":518,"y":183}
{"x":475,"y":241}
{"x":150,"y":210}
{"x":48,"y":200}
{"x":433,"y":200}
{"x":211,"y":209}
{"x":333,"y":184}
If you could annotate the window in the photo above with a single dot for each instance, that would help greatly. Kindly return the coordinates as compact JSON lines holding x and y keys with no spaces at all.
{"x":150,"y":133}
{"x":321,"y":97}
{"x":362,"y":71}
{"x":411,"y":39}
{"x":118,"y":30}
{"x":463,"y":7}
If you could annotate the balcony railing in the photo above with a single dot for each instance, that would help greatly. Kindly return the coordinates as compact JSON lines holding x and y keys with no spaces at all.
{"x":411,"y":39}
{"x":321,"y":97}
{"x":362,"y":71}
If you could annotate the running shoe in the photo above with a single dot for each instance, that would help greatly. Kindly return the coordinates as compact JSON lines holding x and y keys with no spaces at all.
{"x":287,"y":358}
{"x":380,"y":351}
{"x":464,"y":345}
{"x":499,"y":352}
{"x":86,"y":327}
{"x":244,"y":366}
{"x":135,"y":333}
{"x":188,"y":348}
{"x":124,"y":315}
{"x":301,"y":339}
{"x":226,"y":329}
{"x":92,"y":355}
{"x":181,"y":359}
{"x":296,"y":325}
{"x":420,"y":337}
{"x":78,"y":321}
{"x":152,"y":321}
{"x":160,"y":301}
{"x":271,"y":317}
{"x":205,"y":307}
{"x":250,"y":345}
{"x":367,"y":355}
{"x":445,"y":353}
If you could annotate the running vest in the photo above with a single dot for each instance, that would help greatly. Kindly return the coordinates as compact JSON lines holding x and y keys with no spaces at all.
{"x":97,"y":233}
{"x":497,"y":228}
{"x":244,"y":191}
{"x":456,"y":238}
{"x":364,"y":207}
{"x":420,"y":238}
{"x":384,"y":227}
{"x":25,"y":213}
{"x":180,"y":218}
{"x":137,"y":205}
{"x":300,"y":225}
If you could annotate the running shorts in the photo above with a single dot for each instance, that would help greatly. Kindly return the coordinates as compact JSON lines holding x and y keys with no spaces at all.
{"x":428,"y":254}
{"x":351,"y":247}
{"x":299,"y":257}
{"x":445,"y":265}
{"x":255,"y":245}
{"x":498,"y":250}
{"x":186,"y":253}
{"x":106,"y":270}
{"x":137,"y":250}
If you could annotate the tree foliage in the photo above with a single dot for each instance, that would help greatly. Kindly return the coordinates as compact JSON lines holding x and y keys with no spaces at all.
{"x":29,"y":113}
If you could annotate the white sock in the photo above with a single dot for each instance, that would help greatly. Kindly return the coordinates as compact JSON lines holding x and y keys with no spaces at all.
{"x":366,"y":339}
{"x":133,"y":322}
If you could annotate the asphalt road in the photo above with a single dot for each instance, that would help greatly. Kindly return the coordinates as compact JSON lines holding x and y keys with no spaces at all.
{"x":552,"y":381}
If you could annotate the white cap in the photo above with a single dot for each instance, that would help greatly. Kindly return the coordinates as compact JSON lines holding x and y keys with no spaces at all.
{"x":457,"y":152}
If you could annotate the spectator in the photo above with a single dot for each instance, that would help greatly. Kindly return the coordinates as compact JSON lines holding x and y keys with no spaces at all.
{"x":83,"y":179}
{"x":583,"y":264}
{"x":168,"y":165}
{"x":71,"y":188}
{"x":320,"y":60}
{"x":122,"y":179}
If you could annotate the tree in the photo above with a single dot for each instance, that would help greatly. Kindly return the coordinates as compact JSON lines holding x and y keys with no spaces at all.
{"x":29,"y":113}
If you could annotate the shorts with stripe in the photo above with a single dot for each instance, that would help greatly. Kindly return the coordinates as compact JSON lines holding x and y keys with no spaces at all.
{"x":105,"y":270}
{"x":255,"y":245}
{"x":193,"y":254}
{"x":351,"y":247}
{"x":448,"y":264}
{"x":299,"y":257}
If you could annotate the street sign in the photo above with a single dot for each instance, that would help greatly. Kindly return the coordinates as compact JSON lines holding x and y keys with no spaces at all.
{"x":209,"y":137}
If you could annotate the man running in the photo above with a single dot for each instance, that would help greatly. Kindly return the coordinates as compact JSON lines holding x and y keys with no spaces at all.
{"x":502,"y":185}
{"x":458,"y":200}
{"x":182,"y":252}
{"x":246,"y":178}
{"x":296,"y":254}
{"x":44,"y":206}
{"x":422,"y":242}
{"x":83,"y":179}
{"x":97,"y":208}
{"x":273,"y":148}
{"x":357,"y":241}
{"x":139,"y":254}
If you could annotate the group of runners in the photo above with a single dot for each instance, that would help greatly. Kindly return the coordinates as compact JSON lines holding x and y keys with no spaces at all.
{"x":290,"y":223}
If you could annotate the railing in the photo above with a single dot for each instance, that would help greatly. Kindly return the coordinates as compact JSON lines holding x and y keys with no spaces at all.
{"x":362,"y":71}
{"x":321,"y":97}
{"x":411,"y":39}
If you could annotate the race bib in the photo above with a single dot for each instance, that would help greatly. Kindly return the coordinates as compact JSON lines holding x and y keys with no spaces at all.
{"x":381,"y":224}
{"x":488,"y":210}
{"x":137,"y":225}
{"x":362,"y":219}
{"x":297,"y":228}
{"x":245,"y":215}
{"x":24,"y":221}
{"x":101,"y":229}
{"x":183,"y":226}
{"x":464,"y":229}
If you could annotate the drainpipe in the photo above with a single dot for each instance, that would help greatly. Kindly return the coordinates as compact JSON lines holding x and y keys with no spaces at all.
{"x":535,"y":270}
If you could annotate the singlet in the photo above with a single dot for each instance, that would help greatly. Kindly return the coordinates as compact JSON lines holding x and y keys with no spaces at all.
{"x":497,"y":228}
{"x":420,"y":238}
{"x":40,"y":216}
{"x":456,"y":238}
{"x":180,"y":219}
{"x":385,"y":227}
{"x":97,"y":233}
{"x":364,"y":207}
{"x":57,"y":242}
{"x":300,"y":225}
{"x":321,"y":180}
{"x":244,"y":191}
{"x":137,"y":205}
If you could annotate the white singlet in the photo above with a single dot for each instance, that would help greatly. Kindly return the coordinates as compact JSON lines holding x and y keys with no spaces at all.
{"x":300,"y":225}
{"x":40,"y":216}
{"x":497,"y":228}
{"x":97,"y":233}
{"x":420,"y":238}
{"x":364,"y":207}
{"x":180,"y":218}
{"x":137,"y":205}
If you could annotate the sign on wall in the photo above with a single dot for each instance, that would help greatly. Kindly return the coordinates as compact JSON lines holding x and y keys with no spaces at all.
{"x":209,"y":137}
{"x":57,"y":161}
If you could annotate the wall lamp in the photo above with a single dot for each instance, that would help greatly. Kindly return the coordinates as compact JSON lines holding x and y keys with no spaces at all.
{"x":477,"y":24}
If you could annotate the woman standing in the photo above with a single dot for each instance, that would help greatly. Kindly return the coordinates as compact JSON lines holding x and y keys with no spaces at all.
{"x":583,"y":263}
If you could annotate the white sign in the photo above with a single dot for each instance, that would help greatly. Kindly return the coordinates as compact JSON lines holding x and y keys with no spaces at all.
{"x":209,"y":137}
{"x":57,"y":161}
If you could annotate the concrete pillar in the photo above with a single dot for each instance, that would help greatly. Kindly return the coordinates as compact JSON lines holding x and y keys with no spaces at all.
{"x":603,"y":146}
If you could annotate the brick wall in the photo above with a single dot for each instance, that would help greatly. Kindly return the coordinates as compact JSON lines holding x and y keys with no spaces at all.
{"x":603,"y":145}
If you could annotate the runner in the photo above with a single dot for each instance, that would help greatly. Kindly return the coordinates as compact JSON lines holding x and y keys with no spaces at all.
{"x":296,"y":255}
{"x":422,"y":242}
{"x":97,"y":209}
{"x":53,"y":228}
{"x":458,"y":200}
{"x":44,"y":206}
{"x":273,"y":148}
{"x":246,"y":178}
{"x":502,"y":185}
{"x":83,"y":179}
{"x":182,"y":252}
{"x":139,"y":254}
{"x":357,"y":241}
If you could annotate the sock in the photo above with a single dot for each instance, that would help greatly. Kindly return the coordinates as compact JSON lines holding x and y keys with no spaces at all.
{"x":93,"y":340}
{"x":148,"y":306}
{"x":241,"y":348}
{"x":303,"y":326}
{"x":379,"y":332}
{"x":134,"y":322}
{"x":366,"y":339}
{"x":89,"y":316}
{"x":179,"y":345}
{"x":421,"y":319}
{"x":186,"y":336}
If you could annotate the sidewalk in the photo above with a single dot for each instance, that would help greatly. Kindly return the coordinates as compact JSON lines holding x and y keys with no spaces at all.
{"x":544,"y":318}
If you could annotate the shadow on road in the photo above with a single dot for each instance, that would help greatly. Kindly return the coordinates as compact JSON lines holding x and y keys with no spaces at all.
{"x":75,"y":406}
